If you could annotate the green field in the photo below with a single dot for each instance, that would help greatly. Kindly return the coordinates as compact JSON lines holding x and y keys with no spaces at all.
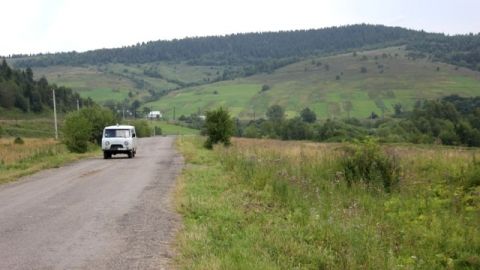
{"x":115,"y":81}
{"x":322,"y":83}
{"x":266,"y":204}
{"x":390,"y":77}
{"x":172,"y":129}
{"x":235,"y":96}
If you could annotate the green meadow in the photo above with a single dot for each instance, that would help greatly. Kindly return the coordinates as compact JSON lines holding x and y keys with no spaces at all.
{"x":172,"y":129}
{"x":373,"y":81}
{"x":266,"y":204}
{"x":325,"y":83}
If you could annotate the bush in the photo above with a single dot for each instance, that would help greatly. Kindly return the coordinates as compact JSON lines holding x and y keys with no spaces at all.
{"x":77,"y":131}
{"x":366,"y":162}
{"x":18,"y":140}
{"x":472,"y":174}
{"x":219,"y":127}
{"x":1,"y":131}
{"x":142,"y":128}
{"x":265,"y":87}
{"x":99,"y":118}
{"x":296,"y":129}
{"x":275,"y":113}
{"x":308,"y":115}
{"x":251,"y":131}
{"x":158,"y":131}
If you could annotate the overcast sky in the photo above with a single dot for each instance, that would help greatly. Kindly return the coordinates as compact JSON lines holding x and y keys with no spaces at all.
{"x":66,"y":25}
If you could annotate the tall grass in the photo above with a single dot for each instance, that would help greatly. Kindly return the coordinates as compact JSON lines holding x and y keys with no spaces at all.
{"x":264,"y":204}
{"x":17,"y":160}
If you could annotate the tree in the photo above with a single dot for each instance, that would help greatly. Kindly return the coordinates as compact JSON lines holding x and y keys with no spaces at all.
{"x":219,"y":127}
{"x":398,"y":108}
{"x":146,"y":110}
{"x":77,"y":131}
{"x":135,"y":105}
{"x":5,"y":70}
{"x":265,"y":87}
{"x":296,"y":129}
{"x":21,"y":102}
{"x":275,"y":113}
{"x":7,"y":94}
{"x":308,"y":115}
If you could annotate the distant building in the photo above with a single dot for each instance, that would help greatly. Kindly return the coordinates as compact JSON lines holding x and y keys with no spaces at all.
{"x":154,"y":115}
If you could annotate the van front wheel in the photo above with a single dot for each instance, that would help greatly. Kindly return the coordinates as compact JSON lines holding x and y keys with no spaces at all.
{"x":130,"y":154}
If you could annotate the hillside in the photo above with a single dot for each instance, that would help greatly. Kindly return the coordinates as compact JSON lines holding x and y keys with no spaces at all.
{"x":325,"y":83}
{"x":114,"y":82}
{"x":20,"y":92}
{"x":314,"y":68}
{"x":236,"y":48}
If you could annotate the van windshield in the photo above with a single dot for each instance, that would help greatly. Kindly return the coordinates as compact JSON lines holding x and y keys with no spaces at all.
{"x":117,"y":133}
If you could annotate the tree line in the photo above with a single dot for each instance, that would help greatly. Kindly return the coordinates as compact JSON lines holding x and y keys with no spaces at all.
{"x":452,"y":120}
{"x":250,"y":48}
{"x":460,"y":50}
{"x":19,"y":89}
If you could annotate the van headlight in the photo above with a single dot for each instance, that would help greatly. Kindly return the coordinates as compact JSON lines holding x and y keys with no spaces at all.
{"x":126,"y":143}
{"x":107,"y":143}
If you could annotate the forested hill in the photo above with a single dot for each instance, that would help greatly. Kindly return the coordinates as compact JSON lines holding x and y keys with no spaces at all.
{"x":460,"y":50}
{"x":19,"y":90}
{"x":237,"y":48}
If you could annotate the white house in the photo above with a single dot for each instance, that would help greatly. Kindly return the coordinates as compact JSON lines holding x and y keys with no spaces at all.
{"x":154,"y":115}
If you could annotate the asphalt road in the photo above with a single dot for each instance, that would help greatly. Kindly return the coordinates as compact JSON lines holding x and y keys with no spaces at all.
{"x":94,"y":214}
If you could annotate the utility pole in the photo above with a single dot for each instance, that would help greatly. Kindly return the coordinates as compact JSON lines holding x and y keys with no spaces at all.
{"x":173,"y":113}
{"x":55,"y":114}
{"x":78,"y":105}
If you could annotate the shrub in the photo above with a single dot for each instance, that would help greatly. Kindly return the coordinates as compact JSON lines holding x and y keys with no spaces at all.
{"x":296,"y":129}
{"x":158,"y":130}
{"x":251,"y":131}
{"x":275,"y":113}
{"x":366,"y":162}
{"x":77,"y":131}
{"x":1,"y":131}
{"x":308,"y":115}
{"x":99,"y":118}
{"x":18,"y":140}
{"x":472,"y":174}
{"x":219,"y":127}
{"x":142,"y":128}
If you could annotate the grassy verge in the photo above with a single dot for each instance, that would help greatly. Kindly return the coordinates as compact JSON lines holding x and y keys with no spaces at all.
{"x":17,"y":160}
{"x":285,"y":205}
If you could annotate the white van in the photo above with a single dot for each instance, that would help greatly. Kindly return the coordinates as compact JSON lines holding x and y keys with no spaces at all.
{"x":119,"y":139}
